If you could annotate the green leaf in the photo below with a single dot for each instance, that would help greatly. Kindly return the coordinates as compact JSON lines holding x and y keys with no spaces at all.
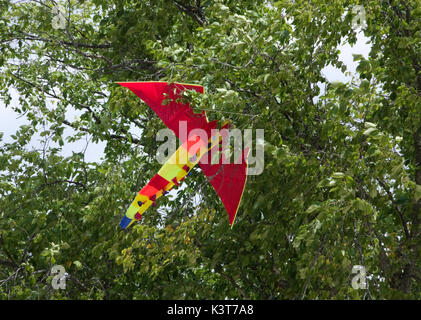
{"x":312,"y":208}
{"x":369,"y":131}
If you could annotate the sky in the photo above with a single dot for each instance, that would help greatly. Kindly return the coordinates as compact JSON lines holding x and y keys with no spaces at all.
{"x":10,"y":120}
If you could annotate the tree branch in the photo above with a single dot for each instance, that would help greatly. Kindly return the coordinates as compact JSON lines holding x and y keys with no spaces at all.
{"x":218,"y":269}
{"x":195,"y":12}
{"x":404,"y":225}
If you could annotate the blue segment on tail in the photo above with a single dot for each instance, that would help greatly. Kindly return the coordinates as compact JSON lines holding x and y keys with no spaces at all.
{"x":125,"y":222}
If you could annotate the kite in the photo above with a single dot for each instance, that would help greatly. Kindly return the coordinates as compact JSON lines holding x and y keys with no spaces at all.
{"x":228,"y":179}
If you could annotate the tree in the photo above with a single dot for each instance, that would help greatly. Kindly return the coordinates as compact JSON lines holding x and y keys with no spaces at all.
{"x":342,"y":178}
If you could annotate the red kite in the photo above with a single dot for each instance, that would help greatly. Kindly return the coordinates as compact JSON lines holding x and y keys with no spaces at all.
{"x":228,"y":180}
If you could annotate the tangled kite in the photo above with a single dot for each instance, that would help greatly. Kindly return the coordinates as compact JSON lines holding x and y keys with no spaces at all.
{"x":228,"y":179}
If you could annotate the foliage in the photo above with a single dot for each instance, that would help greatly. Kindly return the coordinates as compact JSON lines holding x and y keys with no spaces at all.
{"x":342,"y":178}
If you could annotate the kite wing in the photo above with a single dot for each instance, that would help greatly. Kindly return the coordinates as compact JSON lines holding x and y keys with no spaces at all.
{"x":163,"y":98}
{"x":229,"y":181}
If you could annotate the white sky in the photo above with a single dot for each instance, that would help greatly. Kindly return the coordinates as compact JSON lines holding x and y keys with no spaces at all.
{"x":10,"y":120}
